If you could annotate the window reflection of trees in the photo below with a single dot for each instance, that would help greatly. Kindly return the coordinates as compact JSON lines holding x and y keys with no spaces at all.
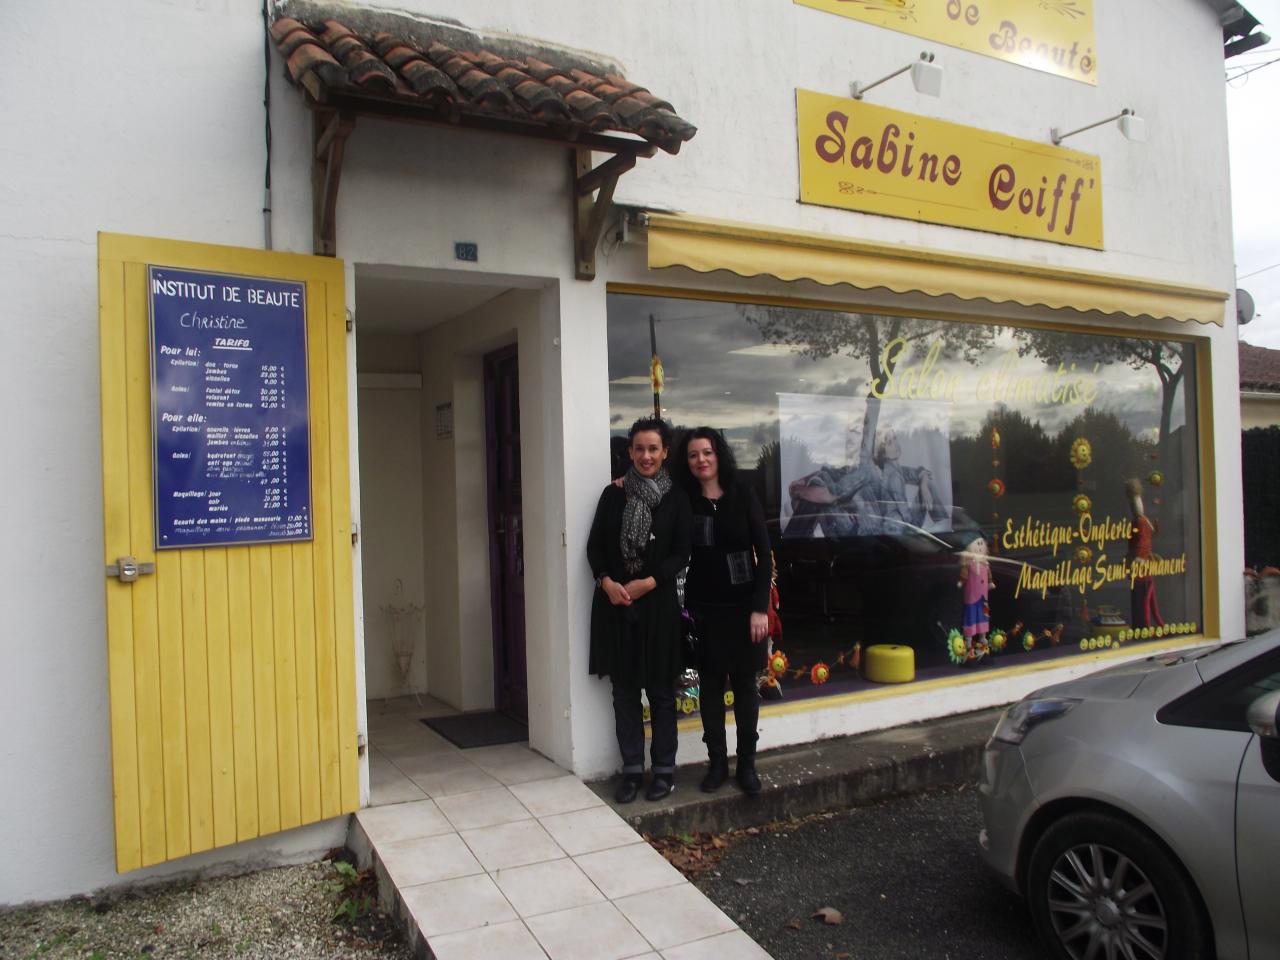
{"x":1165,"y":358}
{"x":819,"y":334}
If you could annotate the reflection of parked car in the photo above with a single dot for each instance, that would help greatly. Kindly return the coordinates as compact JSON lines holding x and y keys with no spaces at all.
{"x":900,"y":586}
{"x":1136,"y":809}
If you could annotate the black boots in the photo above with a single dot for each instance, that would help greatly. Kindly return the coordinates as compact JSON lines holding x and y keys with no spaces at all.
{"x":717,"y":773}
{"x":660,"y":786}
{"x":629,"y":787}
{"x":745,"y":774}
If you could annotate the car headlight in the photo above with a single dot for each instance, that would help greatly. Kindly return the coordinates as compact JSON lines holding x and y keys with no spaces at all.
{"x":1025,"y":714}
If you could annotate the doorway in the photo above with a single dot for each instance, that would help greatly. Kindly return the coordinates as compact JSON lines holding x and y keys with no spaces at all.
{"x":443,"y":474}
{"x":506,"y":532}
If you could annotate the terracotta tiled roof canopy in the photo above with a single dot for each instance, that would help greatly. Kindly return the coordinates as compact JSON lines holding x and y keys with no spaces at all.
{"x":1259,"y":368}
{"x":449,"y":71}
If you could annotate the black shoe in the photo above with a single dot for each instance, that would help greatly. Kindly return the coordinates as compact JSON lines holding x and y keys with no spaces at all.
{"x":746,"y":776}
{"x":660,"y":786}
{"x":717,"y":774}
{"x":628,"y":788}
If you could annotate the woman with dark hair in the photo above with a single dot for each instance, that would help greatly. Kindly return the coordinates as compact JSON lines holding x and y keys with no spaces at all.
{"x":727,"y":593}
{"x":639,"y":544}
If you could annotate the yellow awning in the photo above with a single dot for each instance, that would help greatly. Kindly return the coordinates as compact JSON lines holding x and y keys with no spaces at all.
{"x":749,"y":251}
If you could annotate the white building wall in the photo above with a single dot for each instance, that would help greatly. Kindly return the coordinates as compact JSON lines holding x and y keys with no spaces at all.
{"x":391,"y":534}
{"x":174,"y":148}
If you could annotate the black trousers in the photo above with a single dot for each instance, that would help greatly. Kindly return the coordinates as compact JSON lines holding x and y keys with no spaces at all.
{"x":728,"y":660}
{"x":628,"y":719}
{"x":746,"y":712}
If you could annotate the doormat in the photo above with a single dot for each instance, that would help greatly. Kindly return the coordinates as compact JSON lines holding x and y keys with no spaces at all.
{"x":487,"y":729}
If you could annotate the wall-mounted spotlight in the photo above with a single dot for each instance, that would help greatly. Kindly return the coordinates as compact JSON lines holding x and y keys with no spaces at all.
{"x":1132,"y":126}
{"x":926,"y":77}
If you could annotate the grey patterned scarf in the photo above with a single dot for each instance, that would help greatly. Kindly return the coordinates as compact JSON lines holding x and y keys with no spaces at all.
{"x":643,"y":495}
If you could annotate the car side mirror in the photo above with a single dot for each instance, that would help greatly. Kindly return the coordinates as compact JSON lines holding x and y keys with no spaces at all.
{"x":1264,"y":715}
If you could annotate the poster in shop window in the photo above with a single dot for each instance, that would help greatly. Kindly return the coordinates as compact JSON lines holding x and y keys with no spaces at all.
{"x":230,"y":425}
{"x":863,"y":466}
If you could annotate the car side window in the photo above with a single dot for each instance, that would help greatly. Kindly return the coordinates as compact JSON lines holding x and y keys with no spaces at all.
{"x":1224,"y":703}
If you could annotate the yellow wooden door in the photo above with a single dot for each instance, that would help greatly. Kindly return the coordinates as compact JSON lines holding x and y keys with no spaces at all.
{"x":231,"y":669}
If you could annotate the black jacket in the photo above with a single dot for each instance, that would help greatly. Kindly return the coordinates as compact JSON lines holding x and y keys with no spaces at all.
{"x":638,"y":645}
{"x":731,"y":560}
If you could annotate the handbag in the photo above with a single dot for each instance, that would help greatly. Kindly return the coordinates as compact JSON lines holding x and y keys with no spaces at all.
{"x":690,"y":644}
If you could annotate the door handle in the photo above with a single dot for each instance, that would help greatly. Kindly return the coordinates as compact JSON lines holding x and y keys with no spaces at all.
{"x":127,"y":569}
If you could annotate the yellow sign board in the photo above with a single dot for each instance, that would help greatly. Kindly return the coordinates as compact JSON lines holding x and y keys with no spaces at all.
{"x":858,"y":156}
{"x":1055,"y":36}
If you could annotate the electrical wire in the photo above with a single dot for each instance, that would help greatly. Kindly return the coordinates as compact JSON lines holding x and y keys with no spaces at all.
{"x":1254,"y":273}
{"x":266,"y":104}
{"x":1245,"y":73}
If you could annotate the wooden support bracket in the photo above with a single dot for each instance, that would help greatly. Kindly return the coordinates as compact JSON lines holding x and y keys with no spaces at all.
{"x":331,"y":130}
{"x":589,"y":215}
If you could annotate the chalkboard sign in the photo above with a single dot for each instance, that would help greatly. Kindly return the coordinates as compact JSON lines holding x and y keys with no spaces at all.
{"x":229,"y":413}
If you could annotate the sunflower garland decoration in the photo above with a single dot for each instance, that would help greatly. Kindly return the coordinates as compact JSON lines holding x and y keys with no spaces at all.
{"x":998,"y":641}
{"x":770,"y":688}
{"x":1028,"y":641}
{"x":778,"y":663}
{"x":821,"y":673}
{"x":1081,"y":503}
{"x":956,"y":649}
{"x":657,"y":376}
{"x":1081,"y":453}
{"x":1155,"y":478}
{"x":995,"y":486}
{"x":852,"y":658}
{"x":1084,"y":554}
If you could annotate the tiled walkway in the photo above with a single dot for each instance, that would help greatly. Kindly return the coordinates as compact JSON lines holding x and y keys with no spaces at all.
{"x":498,"y":852}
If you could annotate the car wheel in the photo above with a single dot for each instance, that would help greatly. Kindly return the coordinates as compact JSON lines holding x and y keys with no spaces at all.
{"x":1101,"y":888}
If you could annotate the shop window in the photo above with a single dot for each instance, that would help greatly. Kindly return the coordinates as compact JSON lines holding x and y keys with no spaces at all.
{"x":986,"y":494}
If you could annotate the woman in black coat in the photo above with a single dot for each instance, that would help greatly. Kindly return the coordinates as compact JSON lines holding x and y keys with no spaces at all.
{"x":639,"y":544}
{"x":727,"y":593}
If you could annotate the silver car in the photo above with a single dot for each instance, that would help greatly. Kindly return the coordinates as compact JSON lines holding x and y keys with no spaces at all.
{"x":1137,"y":810}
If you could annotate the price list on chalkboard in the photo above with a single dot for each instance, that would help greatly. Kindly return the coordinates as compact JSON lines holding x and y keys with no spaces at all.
{"x":229,"y":409}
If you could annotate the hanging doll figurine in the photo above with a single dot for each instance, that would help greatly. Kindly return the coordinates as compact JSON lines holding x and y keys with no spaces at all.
{"x":769,"y":683}
{"x":1143,"y":609}
{"x":975,"y":583}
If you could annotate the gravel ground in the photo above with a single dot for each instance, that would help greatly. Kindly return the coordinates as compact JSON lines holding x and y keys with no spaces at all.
{"x":273,"y":914}
{"x":905,"y":875}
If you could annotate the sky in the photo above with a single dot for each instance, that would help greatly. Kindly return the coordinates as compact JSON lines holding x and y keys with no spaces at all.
{"x":1253,"y":106}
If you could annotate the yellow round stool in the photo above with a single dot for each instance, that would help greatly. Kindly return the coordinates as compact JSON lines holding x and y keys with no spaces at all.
{"x":890,"y":663}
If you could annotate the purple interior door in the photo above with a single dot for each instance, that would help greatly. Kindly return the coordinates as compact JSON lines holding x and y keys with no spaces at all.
{"x":506,"y":532}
